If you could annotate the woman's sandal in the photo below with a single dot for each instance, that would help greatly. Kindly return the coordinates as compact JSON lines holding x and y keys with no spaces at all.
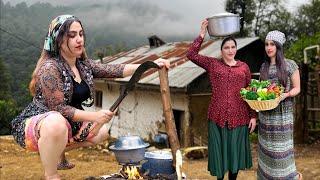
{"x":65,"y":165}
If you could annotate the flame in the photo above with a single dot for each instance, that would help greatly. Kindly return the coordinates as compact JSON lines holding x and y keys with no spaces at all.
{"x":132,"y":172}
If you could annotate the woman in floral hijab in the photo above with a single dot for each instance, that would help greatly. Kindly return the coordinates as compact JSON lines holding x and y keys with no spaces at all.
{"x":62,"y":82}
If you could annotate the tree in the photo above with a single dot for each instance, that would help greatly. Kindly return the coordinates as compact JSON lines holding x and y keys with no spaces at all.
{"x":264,"y":10}
{"x":8,"y":108}
{"x":307,"y":20}
{"x":279,"y":19}
{"x":246,"y":10}
{"x":5,"y":90}
{"x":296,"y":49}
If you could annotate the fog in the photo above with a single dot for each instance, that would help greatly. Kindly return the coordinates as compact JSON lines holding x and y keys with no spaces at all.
{"x":174,"y":18}
{"x":142,"y":17}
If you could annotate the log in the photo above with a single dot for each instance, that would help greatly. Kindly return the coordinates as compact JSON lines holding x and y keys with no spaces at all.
{"x":168,"y":114}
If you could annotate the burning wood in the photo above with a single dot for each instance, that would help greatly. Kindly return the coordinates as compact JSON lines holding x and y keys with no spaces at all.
{"x":131,"y":172}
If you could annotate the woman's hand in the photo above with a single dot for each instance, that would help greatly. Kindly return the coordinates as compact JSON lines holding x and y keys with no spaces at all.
{"x":252,"y":124}
{"x":104,"y":116}
{"x":203,"y":29}
{"x":284,"y":96}
{"x":162,"y":62}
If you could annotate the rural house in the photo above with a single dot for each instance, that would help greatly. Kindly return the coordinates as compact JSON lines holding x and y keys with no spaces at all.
{"x":140,"y":113}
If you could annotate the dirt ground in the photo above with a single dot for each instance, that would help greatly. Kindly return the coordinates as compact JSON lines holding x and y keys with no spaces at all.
{"x":16,"y":163}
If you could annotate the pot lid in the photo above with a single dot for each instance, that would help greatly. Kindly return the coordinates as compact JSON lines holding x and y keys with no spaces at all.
{"x":129,"y":142}
{"x":224,"y":15}
{"x":158,"y":155}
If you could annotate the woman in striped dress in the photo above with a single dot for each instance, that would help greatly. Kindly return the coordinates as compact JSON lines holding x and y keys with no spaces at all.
{"x":275,"y":149}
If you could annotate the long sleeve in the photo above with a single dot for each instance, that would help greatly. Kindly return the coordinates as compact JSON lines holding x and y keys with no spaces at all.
{"x":194,"y":56}
{"x":100,"y":70}
{"x":52,"y":90}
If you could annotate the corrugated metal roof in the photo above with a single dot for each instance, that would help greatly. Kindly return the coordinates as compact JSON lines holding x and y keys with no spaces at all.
{"x":182,"y":71}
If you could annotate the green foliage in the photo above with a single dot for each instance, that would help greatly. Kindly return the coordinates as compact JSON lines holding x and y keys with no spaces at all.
{"x":264,"y":10}
{"x":296,"y":49}
{"x":8,"y":110}
{"x":5,"y":90}
{"x":279,"y":19}
{"x":253,"y":137}
{"x":23,"y":29}
{"x":246,"y":10}
{"x":307,"y":19}
{"x":8,"y":107}
{"x":22,"y":32}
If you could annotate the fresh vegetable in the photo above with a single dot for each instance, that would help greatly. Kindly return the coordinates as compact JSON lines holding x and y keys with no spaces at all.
{"x":251,"y":95}
{"x":261,"y":90}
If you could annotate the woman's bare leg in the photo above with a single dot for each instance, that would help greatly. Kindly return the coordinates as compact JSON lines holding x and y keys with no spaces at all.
{"x":52,"y":142}
{"x":100,"y":137}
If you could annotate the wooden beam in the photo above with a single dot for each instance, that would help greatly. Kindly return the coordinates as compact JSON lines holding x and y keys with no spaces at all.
{"x":168,"y":114}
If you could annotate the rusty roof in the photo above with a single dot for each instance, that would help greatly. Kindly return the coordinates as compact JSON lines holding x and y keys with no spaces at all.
{"x":182,"y":71}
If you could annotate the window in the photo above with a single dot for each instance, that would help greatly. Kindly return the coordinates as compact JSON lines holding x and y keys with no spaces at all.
{"x":98,"y":99}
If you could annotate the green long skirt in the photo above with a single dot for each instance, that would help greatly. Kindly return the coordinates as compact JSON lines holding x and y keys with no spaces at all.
{"x":228,"y":149}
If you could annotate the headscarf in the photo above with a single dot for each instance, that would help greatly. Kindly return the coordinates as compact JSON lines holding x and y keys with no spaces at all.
{"x":53,"y":32}
{"x":276,"y":36}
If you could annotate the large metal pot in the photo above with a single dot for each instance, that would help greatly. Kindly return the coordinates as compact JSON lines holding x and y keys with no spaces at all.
{"x":223,"y":24}
{"x":129,"y":149}
{"x":158,"y":162}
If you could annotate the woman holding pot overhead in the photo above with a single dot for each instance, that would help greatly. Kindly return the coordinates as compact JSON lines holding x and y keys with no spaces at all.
{"x":229,"y":118}
{"x":275,"y":148}
{"x":62,"y":82}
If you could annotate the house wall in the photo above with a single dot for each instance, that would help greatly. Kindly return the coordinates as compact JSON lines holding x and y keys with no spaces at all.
{"x":141,"y":112}
{"x":199,"y":122}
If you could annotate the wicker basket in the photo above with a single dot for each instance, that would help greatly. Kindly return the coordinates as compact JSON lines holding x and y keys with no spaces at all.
{"x":263,"y":105}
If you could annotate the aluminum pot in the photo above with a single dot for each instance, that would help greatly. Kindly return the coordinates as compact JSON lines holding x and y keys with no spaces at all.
{"x":129,"y":149}
{"x":158,"y":162}
{"x":223,"y":24}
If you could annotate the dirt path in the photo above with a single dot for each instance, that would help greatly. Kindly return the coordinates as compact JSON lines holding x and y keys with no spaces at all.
{"x":16,"y":163}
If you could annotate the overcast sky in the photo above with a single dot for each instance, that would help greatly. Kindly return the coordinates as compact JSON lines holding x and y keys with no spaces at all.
{"x":174,"y":4}
{"x":170,"y":17}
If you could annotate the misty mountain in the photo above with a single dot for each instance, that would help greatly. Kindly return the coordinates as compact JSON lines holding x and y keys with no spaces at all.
{"x":129,"y":23}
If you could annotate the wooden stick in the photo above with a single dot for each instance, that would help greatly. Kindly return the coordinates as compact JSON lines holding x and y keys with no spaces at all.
{"x":168,"y":114}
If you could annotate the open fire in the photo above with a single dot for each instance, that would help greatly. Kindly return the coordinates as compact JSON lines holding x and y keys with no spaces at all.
{"x":131,"y":172}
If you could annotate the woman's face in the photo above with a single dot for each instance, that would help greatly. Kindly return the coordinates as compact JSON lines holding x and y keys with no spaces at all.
{"x":270,"y":48}
{"x":73,"y":41}
{"x":229,"y":50}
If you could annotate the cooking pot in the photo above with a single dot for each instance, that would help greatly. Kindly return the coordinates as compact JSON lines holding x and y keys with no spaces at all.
{"x":129,"y":149}
{"x":158,"y":162}
{"x":223,"y":24}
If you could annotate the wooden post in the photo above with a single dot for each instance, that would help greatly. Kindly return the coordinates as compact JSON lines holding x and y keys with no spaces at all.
{"x":305,"y":79}
{"x":168,"y":114}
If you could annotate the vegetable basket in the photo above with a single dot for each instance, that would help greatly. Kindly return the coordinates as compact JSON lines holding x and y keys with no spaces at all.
{"x":263,"y":105}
